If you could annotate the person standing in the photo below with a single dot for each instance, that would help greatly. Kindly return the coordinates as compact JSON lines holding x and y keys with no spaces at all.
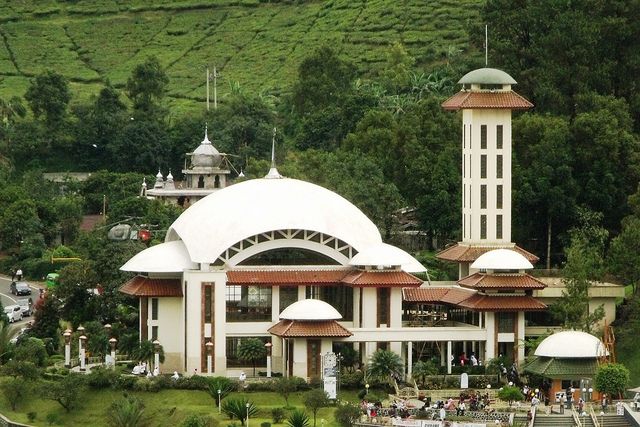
{"x":19,"y":274}
{"x":604,"y":402}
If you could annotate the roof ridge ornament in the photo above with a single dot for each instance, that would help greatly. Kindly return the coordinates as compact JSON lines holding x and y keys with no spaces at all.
{"x":206,"y":134}
{"x":273,"y":172}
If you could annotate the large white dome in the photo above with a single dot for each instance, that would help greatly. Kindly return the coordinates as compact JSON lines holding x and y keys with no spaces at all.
{"x":310,"y":309}
{"x":387,"y":255}
{"x":502,"y":259}
{"x":169,"y":257}
{"x":246,"y":209}
{"x":571,"y":344}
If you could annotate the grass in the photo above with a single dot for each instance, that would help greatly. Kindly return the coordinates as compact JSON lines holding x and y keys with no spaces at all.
{"x":258,"y":44}
{"x":166,"y":408}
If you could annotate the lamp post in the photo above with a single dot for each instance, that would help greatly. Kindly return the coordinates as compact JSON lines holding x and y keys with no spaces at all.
{"x":590,"y":393}
{"x":67,"y":348}
{"x":112,"y":343}
{"x":268,"y":347}
{"x":209,"y":346}
{"x":366,"y":386}
{"x":248,"y":414}
{"x":219,"y":398}
{"x":81,"y":350}
{"x":156,"y":356}
{"x":80,"y":331}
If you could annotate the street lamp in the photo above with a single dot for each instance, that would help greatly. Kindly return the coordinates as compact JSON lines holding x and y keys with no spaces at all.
{"x":112,"y":343}
{"x":156,"y":355}
{"x":268,"y":346}
{"x":248,"y":414}
{"x":67,"y":348}
{"x":209,"y":346}
{"x":366,"y":386}
{"x":219,"y":397}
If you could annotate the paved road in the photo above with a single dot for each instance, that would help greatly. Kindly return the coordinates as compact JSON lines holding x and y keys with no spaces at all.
{"x":8,"y":299}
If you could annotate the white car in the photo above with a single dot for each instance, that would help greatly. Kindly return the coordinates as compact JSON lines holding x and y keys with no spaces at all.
{"x":13,"y":312}
{"x":26,"y":305}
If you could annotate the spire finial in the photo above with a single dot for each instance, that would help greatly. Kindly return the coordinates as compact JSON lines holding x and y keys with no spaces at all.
{"x":273,"y":172}
{"x":206,"y":134}
{"x":486,"y":45}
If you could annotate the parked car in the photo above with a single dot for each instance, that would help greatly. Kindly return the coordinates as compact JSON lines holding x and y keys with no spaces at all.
{"x":20,"y":288}
{"x":13,"y":312}
{"x":26,"y":305}
{"x":23,"y":332}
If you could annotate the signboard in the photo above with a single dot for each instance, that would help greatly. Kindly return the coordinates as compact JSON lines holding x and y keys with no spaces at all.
{"x":619,"y":408}
{"x":330,"y":371}
{"x":426,"y":423}
{"x":464,"y":380}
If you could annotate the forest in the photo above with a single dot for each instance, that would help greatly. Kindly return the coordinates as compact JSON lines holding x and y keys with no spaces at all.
{"x":379,"y":137}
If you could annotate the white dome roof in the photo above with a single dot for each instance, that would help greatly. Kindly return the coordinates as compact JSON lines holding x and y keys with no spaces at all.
{"x":385,"y":254}
{"x":206,"y":154}
{"x":571,"y":344}
{"x":310,"y":309}
{"x":256,"y":206}
{"x":169,"y":257}
{"x":502,"y":259}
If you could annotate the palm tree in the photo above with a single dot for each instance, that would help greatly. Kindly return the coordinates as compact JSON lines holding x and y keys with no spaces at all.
{"x":10,"y":110}
{"x":5,"y":337}
{"x":386,"y":365}
{"x":252,"y":350}
{"x":146,"y":352}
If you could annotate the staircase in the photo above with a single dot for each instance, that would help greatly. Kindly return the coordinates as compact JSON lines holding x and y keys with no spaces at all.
{"x":608,"y":420}
{"x":543,"y":420}
{"x":612,"y":420}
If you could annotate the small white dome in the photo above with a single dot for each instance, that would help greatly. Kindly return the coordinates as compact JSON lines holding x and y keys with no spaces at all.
{"x":571,"y":344}
{"x":310,"y":309}
{"x":206,"y":155}
{"x":502,"y":259}
{"x":385,"y":254}
{"x":170,"y":257}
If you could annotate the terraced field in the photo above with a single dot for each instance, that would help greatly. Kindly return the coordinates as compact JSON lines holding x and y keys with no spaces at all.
{"x":258,"y":45}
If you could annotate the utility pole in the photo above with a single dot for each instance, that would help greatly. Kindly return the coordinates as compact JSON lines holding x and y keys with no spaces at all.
{"x":213,"y":76}
{"x":208,"y":88}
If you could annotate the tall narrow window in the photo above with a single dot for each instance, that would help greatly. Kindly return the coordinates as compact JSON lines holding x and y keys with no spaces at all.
{"x":464,"y":136}
{"x":499,"y":197}
{"x":499,"y":166}
{"x":498,"y":226}
{"x":470,"y":137}
{"x":483,"y":197}
{"x":464,"y":196}
{"x":499,"y":137}
{"x":469,"y":196}
{"x":154,"y":308}
{"x":483,"y":166}
{"x":464,"y":166}
{"x":483,"y":137}
{"x":154,"y":333}
{"x":207,"y":304}
{"x":483,"y":226}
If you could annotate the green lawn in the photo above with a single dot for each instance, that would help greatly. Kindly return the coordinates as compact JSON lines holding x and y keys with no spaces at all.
{"x":165,"y":408}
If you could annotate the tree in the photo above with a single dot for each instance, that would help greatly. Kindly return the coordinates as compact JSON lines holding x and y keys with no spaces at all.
{"x":386,"y":365}
{"x":46,"y":322}
{"x":624,"y":252}
{"x":146,"y":88}
{"x":19,"y":221}
{"x":284,"y":386}
{"x":298,"y":418}
{"x":346,"y":414}
{"x":422,"y":369}
{"x":31,"y":350}
{"x":16,"y":390}
{"x":146,"y":351}
{"x":48,"y":96}
{"x":74,"y":288}
{"x":314,"y":400}
{"x":252,"y":350}
{"x":67,"y":391}
{"x":510,"y":394}
{"x":224,"y":384}
{"x":239,"y":408}
{"x":612,"y":379}
{"x":128,"y":411}
{"x":10,"y":110}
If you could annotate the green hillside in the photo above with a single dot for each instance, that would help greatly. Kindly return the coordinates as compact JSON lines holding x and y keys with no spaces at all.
{"x":258,"y":45}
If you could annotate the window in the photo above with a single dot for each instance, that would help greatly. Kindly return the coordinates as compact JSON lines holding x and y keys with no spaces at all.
{"x":201,"y":181}
{"x":464,"y":165}
{"x":248,"y":303}
{"x":154,"y":333}
{"x":483,"y":197}
{"x":340,"y":297}
{"x":383,"y":306}
{"x":154,"y":308}
{"x":464,"y":134}
{"x":464,"y":196}
{"x":499,"y":196}
{"x":499,"y":137}
{"x":483,"y":166}
{"x":498,"y":226}
{"x":506,"y":322}
{"x":483,"y":226}
{"x":483,"y":137}
{"x":470,"y":137}
{"x":207,"y":304}
{"x":499,"y":166}
{"x":233,"y":343}
{"x":288,"y":295}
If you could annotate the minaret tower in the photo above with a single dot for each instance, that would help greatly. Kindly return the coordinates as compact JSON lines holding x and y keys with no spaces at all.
{"x":486,"y":101}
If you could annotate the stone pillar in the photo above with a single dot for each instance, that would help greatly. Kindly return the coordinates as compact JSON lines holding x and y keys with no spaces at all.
{"x":67,"y":348}
{"x":156,"y":356}
{"x":269,"y":347}
{"x":490,"y":343}
{"x":81,"y":349}
{"x":112,"y":343}
{"x":80,"y":331}
{"x":209,"y":346}
{"x":409,"y":359}
{"x":448,"y":357}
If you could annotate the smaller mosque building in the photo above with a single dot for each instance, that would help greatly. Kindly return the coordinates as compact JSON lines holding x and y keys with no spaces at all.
{"x":206,"y":171}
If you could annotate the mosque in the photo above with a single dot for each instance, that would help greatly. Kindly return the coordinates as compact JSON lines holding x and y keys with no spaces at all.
{"x":305,"y":271}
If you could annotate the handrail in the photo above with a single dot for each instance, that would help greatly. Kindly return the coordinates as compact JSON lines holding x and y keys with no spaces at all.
{"x":594,"y":417}
{"x":576,"y":418}
{"x":534,"y":410}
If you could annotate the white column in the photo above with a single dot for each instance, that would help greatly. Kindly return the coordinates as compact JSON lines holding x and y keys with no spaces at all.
{"x":448,"y":357}
{"x":409,"y":359}
{"x":209,"y":364}
{"x":82,"y":341}
{"x":395,"y":305}
{"x":67,"y":354}
{"x":490,"y":345}
{"x":356,"y":307}
{"x":520,"y":320}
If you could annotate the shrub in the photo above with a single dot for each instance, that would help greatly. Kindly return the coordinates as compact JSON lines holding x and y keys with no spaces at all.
{"x":224,"y":384}
{"x":298,"y":418}
{"x":146,"y":384}
{"x":125,"y":412}
{"x":277,"y":415}
{"x":346,"y":415}
{"x":125,"y":382}
{"x":100,"y":378}
{"x":612,"y":379}
{"x":195,"y":420}
{"x":265,"y":424}
{"x":195,"y":382}
{"x":352,"y":380}
{"x":238,"y":408}
{"x":510,"y":394}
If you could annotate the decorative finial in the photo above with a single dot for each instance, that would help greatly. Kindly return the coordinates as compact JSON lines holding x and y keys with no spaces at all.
{"x":486,"y":45}
{"x":206,"y":134}
{"x":273,"y":172}
{"x":241,"y":174}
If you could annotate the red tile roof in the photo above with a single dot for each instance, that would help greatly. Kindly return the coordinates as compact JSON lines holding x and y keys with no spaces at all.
{"x":456,"y":295}
{"x":357,"y":278}
{"x":381,"y":279}
{"x":141,"y":286}
{"x":466,"y":99}
{"x":480,"y":302}
{"x":467,"y":253}
{"x":501,"y":281}
{"x":285,"y":277}
{"x":436,"y":295}
{"x":315,"y":328}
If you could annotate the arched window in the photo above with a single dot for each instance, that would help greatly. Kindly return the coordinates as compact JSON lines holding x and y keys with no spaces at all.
{"x":216,"y":182}
{"x":201,"y":182}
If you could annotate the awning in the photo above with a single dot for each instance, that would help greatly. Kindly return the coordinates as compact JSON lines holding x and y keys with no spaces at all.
{"x":309,"y":328}
{"x":551,"y":367}
{"x":141,"y":286}
{"x":465,"y":253}
{"x":501,"y":281}
{"x":352,"y":277}
{"x":481,"y":302}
